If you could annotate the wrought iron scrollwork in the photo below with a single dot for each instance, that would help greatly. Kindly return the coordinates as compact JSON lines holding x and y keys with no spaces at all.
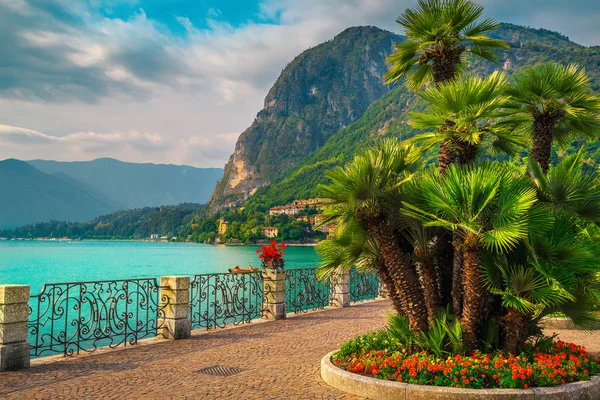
{"x":71,"y":318}
{"x":217,"y":300}
{"x":363,"y":286}
{"x":304,"y":291}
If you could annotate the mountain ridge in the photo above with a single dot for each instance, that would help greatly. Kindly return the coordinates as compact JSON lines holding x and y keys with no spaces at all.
{"x":323,"y":89}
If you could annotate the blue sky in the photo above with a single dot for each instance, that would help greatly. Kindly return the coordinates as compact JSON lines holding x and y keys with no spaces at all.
{"x":177,"y":81}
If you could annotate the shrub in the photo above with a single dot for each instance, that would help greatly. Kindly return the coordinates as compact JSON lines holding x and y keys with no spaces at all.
{"x":376,"y":340}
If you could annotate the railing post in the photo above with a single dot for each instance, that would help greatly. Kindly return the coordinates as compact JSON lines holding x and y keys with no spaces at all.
{"x":273,"y":293}
{"x":14,"y":312}
{"x":174,"y":301}
{"x":340,"y":281}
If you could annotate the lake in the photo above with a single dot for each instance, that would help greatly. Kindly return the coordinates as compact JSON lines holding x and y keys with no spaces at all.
{"x":35,"y":263}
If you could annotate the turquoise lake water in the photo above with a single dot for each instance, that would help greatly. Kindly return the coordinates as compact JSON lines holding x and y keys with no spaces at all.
{"x":35,"y":263}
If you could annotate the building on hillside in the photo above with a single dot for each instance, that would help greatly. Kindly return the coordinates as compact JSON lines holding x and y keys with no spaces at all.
{"x":308,"y":202}
{"x":154,"y":236}
{"x":287,"y":210}
{"x":223,"y":226}
{"x":306,"y":218}
{"x":270,"y":231}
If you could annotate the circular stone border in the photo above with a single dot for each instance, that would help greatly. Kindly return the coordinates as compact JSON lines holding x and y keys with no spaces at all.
{"x":378,"y":389}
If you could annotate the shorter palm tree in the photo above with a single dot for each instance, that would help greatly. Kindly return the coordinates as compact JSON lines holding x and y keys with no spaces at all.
{"x":487,"y":206}
{"x":552,"y":103}
{"x":461,"y":113}
{"x":369,"y":190}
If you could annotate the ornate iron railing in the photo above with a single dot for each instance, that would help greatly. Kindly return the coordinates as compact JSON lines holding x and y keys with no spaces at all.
{"x":70,"y":318}
{"x":363,"y":286}
{"x":304,"y":292}
{"x":217,"y":300}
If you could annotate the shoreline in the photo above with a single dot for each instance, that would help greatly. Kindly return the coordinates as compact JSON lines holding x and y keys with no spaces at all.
{"x":67,"y":240}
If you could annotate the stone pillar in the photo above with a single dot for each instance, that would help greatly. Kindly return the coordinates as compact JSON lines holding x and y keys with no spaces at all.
{"x":175,"y":300}
{"x":340,"y":284}
{"x":14,"y":312}
{"x":273,"y":293}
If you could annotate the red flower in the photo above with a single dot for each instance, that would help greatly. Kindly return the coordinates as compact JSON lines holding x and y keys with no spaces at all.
{"x":271,"y":252}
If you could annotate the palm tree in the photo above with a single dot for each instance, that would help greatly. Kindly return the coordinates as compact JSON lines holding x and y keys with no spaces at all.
{"x":461,"y":112}
{"x":552,"y":103}
{"x":368,"y":190}
{"x":352,"y":246}
{"x":439,"y":34}
{"x":567,"y":188}
{"x":487,"y":206}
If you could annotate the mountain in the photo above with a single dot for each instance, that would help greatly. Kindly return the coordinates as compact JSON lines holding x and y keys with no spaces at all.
{"x":139,"y":185}
{"x":388,"y":116}
{"x":29,"y":195}
{"x":322,"y":90}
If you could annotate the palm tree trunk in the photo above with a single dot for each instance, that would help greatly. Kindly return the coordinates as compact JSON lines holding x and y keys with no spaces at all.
{"x":429,"y":279}
{"x":474,"y":295}
{"x":543,"y":126}
{"x":445,"y":156}
{"x":457,"y":278}
{"x":444,"y":254}
{"x":401,"y":271}
{"x":515,"y":331}
{"x":467,"y":153}
{"x":390,"y":287}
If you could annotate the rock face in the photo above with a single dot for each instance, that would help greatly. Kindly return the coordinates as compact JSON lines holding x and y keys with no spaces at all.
{"x":324,"y":89}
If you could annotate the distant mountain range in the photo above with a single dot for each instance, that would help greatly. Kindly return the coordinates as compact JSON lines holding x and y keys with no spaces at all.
{"x":29,"y":195}
{"x":41,"y":190}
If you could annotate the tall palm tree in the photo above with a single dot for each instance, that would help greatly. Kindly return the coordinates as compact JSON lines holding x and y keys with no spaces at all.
{"x":439,"y":34}
{"x":351,"y":246}
{"x":488,"y":206}
{"x":368,"y":190}
{"x":553,"y":103}
{"x":461,"y":112}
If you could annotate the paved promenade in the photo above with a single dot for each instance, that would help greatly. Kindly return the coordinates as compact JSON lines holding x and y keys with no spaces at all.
{"x":280,"y":361}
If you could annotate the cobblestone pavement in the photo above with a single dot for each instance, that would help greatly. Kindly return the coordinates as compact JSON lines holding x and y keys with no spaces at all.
{"x":280,"y":361}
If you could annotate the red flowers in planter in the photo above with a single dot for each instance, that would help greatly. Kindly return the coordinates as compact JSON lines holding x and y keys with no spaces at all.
{"x":561,"y":363}
{"x":272,"y":255}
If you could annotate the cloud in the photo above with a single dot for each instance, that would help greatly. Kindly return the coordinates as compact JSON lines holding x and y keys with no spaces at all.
{"x":72,"y":69}
{"x":30,"y":144}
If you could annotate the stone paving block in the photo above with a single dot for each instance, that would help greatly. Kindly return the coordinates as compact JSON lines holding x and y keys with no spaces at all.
{"x":175,"y":282}
{"x":13,"y":332}
{"x":14,"y":356}
{"x":17,"y":312}
{"x":10,"y":294}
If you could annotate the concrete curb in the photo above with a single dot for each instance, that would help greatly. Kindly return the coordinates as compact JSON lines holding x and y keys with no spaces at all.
{"x":557,"y":323}
{"x":377,"y":389}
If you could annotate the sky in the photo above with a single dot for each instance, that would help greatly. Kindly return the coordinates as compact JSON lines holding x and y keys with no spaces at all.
{"x":177,"y":81}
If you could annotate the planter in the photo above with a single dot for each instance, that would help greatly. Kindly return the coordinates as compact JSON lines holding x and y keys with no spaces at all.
{"x":377,"y":389}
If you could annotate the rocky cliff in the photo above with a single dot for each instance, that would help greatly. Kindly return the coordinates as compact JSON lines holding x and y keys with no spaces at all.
{"x":321,"y":91}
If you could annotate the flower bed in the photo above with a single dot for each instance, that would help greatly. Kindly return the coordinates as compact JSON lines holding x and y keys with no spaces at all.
{"x":557,"y":364}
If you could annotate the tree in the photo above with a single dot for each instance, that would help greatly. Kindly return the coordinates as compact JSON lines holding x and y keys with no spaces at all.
{"x":462,"y":112}
{"x":487,"y":205}
{"x":552,"y":103}
{"x":368,"y":191}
